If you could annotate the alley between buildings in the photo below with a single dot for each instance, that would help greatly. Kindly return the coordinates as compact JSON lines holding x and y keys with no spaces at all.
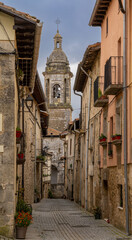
{"x":61,"y":219}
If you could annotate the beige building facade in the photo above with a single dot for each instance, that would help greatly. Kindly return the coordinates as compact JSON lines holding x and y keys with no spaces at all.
{"x":17,"y":82}
{"x":87,"y":72}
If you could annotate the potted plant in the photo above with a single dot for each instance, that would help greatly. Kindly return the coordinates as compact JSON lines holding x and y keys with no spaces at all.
{"x":99,"y":93}
{"x":110,"y":153}
{"x":50,"y":195}
{"x":97,"y":212}
{"x":116,"y":137}
{"x":102,"y":138}
{"x":23,"y":218}
{"x":41,"y":158}
{"x":20,"y":155}
{"x":20,"y":75}
{"x":22,"y":221}
{"x":18,"y":132}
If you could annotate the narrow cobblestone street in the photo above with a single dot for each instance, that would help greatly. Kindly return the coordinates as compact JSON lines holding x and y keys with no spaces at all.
{"x":58,"y":219}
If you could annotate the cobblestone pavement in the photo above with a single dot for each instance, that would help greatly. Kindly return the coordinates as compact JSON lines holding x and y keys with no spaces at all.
{"x":58,"y":219}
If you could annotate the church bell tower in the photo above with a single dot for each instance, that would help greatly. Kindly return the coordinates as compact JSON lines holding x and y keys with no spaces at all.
{"x":57,"y":81}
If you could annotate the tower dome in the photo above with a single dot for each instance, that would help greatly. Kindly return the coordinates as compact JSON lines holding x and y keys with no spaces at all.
{"x":57,"y":61}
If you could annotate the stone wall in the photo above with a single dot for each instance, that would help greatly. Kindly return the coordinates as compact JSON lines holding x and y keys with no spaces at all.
{"x":59,"y":117}
{"x":55,"y":146}
{"x":8,"y":143}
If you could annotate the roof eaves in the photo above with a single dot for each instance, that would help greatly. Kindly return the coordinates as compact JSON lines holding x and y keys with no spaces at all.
{"x":86,"y":64}
{"x":99,"y":12}
{"x":13,"y":12}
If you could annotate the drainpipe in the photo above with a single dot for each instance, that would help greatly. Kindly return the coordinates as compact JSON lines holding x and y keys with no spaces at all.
{"x":81,"y":103}
{"x":86,"y":173}
{"x":80,"y":127}
{"x":125,"y":125}
{"x":35,"y":133}
{"x":125,"y":111}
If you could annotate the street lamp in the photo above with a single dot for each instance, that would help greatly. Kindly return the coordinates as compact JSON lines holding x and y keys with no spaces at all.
{"x":29,"y":101}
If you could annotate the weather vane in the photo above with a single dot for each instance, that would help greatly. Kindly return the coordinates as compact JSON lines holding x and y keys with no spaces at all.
{"x":57,"y":22}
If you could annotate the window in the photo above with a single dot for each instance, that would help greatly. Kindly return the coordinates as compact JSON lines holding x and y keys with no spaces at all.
{"x":111,"y":127}
{"x":47,"y":89}
{"x":57,"y":44}
{"x":70,"y":146}
{"x":120,"y":195}
{"x":106,"y":26}
{"x":91,"y":135}
{"x":65,"y":90}
{"x":56,"y":91}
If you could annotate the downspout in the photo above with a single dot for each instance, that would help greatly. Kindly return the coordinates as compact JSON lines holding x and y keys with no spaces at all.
{"x":81,"y":103}
{"x":86,"y":169}
{"x":80,"y":127}
{"x":123,"y":10}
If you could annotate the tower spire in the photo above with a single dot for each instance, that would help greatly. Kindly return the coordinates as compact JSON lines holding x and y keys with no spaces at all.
{"x":57,"y":23}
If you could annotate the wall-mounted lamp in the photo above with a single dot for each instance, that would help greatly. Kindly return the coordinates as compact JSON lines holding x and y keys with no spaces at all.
{"x":29,"y":101}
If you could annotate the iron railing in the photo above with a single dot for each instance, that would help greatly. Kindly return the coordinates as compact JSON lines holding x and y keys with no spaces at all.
{"x":113,"y":71}
{"x":98,"y":87}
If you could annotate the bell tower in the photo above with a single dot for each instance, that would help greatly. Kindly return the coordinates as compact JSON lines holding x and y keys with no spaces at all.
{"x":57,"y":81}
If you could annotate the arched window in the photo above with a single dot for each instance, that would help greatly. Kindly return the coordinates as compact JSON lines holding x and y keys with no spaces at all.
{"x":56,"y":91}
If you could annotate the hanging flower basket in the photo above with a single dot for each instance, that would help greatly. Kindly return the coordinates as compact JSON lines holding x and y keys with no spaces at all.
{"x":20,"y":156}
{"x":18,"y":132}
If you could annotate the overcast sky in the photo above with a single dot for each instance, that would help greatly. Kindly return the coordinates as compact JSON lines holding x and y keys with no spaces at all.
{"x":77,"y":35}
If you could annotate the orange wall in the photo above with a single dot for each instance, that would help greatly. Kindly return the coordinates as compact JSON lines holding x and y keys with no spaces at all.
{"x":109,"y":47}
{"x":109,"y":43}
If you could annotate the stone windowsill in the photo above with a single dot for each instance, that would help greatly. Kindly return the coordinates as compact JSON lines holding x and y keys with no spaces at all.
{"x":120,"y":208}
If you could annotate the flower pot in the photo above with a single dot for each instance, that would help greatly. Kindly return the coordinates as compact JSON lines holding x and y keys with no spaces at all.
{"x":20,"y":155}
{"x":21,"y":232}
{"x":117,"y":137}
{"x":103,"y":140}
{"x":18,"y":134}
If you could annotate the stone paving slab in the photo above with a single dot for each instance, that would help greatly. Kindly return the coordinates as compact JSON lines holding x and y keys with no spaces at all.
{"x":61,"y":219}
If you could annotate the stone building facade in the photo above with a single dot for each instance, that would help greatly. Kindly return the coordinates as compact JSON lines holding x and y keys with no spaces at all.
{"x":16,"y":83}
{"x":57,"y":81}
{"x":54,"y":145}
{"x":87,"y":158}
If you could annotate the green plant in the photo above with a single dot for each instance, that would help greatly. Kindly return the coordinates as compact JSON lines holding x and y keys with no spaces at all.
{"x":110,"y":153}
{"x":99,"y":93}
{"x":40,"y":157}
{"x":23,"y":219}
{"x":20,"y":73}
{"x":50,"y":195}
{"x":97,"y":212}
{"x":22,"y":206}
{"x":102,"y":136}
{"x":18,"y":129}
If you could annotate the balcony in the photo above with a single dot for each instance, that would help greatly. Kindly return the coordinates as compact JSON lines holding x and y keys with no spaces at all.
{"x":100,"y":100}
{"x":113,"y":81}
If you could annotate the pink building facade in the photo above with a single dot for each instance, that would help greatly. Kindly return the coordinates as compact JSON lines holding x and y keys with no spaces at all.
{"x":108,"y":15}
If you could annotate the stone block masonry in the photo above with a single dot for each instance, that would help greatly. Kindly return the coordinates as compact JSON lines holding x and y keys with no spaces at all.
{"x":7,"y":140}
